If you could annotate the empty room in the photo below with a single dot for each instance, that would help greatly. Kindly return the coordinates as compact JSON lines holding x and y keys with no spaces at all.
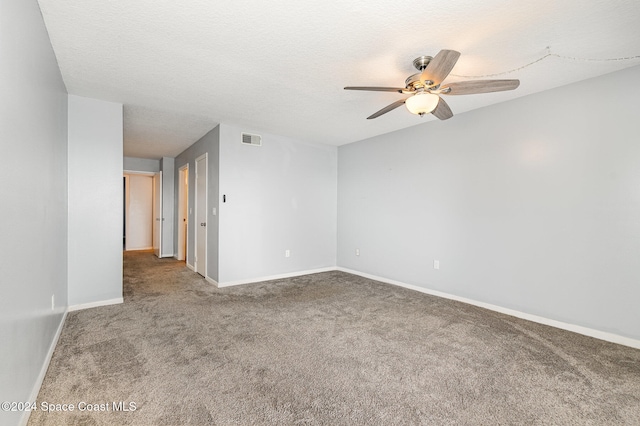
{"x":357,"y":213}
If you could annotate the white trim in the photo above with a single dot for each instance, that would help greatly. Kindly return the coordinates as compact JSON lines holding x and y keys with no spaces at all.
{"x":160,"y":218}
{"x":43,"y":371}
{"x":81,"y":306}
{"x":184,"y":197}
{"x":168,"y":255}
{"x":276,"y":277}
{"x":190,"y":266}
{"x":602,"y":335}
{"x":127,"y":201}
{"x":133,"y":172}
{"x":212,"y":281}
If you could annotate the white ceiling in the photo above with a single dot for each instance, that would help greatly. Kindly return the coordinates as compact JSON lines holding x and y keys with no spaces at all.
{"x":182,"y":67}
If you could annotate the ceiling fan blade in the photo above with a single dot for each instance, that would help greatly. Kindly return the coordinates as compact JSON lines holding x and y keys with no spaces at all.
{"x":480,"y":86}
{"x":377,"y":89}
{"x":386,"y":109}
{"x":440,"y":66}
{"x":442,"y":111}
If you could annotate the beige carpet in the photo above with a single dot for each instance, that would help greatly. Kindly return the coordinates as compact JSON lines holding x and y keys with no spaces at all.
{"x":329,"y":348}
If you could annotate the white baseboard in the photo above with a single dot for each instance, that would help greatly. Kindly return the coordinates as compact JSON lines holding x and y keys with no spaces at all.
{"x":276,"y":277}
{"x":212,"y":281}
{"x":190,"y":266}
{"x":96,"y":304}
{"x":602,"y":335}
{"x":43,"y":371}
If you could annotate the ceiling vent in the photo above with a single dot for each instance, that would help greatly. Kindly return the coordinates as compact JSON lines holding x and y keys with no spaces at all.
{"x":249,"y":139}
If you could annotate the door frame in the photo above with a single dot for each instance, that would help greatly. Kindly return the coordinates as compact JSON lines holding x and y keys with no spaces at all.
{"x":197,"y":219}
{"x":183,"y":217}
{"x":157,"y":214}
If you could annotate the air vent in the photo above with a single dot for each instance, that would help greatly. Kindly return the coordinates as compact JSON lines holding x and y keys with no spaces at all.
{"x":248,"y":139}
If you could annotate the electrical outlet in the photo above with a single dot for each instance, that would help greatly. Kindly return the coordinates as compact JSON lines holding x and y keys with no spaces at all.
{"x":53,"y":302}
{"x":357,"y":252}
{"x":436,"y":264}
{"x":287,"y":253}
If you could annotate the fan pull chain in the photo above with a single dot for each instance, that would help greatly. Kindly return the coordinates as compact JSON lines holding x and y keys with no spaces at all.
{"x":571,"y":58}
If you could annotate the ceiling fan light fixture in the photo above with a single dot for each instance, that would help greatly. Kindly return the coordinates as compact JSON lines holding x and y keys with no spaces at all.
{"x":422,"y":103}
{"x":426,"y":87}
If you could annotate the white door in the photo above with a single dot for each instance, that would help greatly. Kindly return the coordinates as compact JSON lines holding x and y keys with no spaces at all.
{"x":201,"y":215}
{"x":157,"y":214}
{"x":183,"y":211}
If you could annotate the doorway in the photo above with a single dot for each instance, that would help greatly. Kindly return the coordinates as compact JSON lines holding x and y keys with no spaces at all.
{"x":200,"y":258}
{"x":183,"y":211}
{"x":138,"y":211}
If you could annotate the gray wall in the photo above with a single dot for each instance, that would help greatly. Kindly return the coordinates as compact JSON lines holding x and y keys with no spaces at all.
{"x":167,"y":167}
{"x":33,"y":219}
{"x":95,"y":201}
{"x":134,"y":164}
{"x":210,"y":144}
{"x":280,"y":196}
{"x":532,"y":204}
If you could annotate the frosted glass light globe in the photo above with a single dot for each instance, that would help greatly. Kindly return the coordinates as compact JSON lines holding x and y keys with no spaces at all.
{"x":422,"y":103}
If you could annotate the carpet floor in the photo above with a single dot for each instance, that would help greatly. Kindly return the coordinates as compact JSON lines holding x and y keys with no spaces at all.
{"x":329,"y":348}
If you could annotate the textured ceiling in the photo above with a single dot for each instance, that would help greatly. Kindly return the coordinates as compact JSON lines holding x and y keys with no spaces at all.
{"x":181,"y":67}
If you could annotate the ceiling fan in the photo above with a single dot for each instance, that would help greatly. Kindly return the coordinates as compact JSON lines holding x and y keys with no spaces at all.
{"x":426,"y":86}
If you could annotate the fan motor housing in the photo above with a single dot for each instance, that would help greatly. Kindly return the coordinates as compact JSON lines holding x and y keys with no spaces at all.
{"x":413,"y":81}
{"x":421,"y":62}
